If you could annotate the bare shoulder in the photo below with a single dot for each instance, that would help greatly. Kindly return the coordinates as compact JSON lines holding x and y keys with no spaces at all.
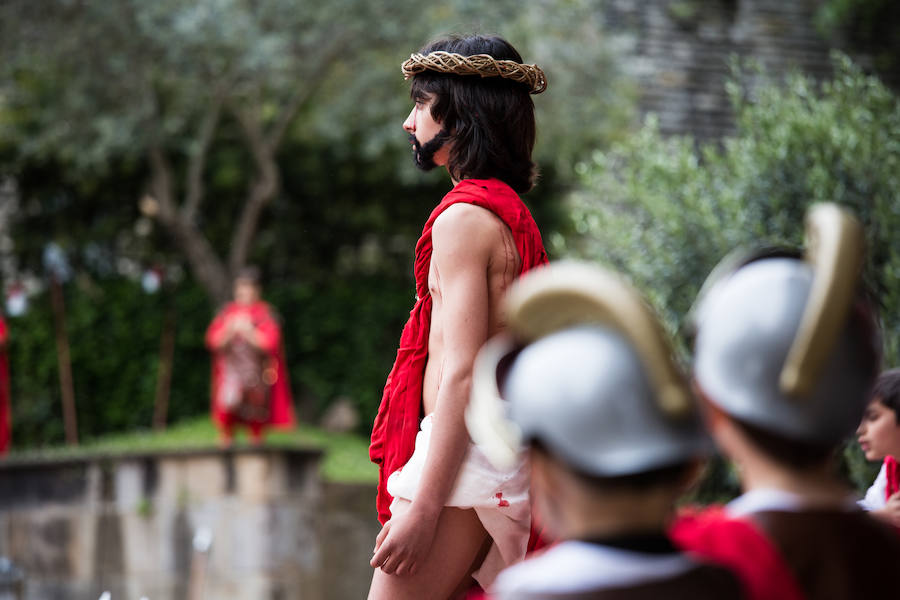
{"x":466,"y":226}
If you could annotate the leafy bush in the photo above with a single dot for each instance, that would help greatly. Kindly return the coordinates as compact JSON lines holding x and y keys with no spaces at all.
{"x":664,"y":211}
{"x":114,"y":334}
{"x":336,"y":251}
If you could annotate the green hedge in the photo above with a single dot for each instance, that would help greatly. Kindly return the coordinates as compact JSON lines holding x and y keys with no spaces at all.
{"x":340,"y":338}
{"x":664,"y":211}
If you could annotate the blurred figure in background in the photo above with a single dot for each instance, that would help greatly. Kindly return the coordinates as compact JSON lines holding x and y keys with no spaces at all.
{"x":787,"y":349}
{"x":249,"y":377}
{"x":612,"y":432}
{"x":879,"y":437}
{"x":5,"y":412}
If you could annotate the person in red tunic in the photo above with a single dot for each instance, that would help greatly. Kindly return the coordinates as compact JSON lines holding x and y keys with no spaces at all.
{"x":249,"y":376}
{"x":5,"y":413}
{"x":446,"y":519}
{"x":786,"y":354}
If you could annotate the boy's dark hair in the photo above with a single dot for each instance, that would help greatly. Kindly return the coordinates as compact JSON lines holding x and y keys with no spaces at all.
{"x":793,"y":453}
{"x":669,"y":476}
{"x":805,"y":454}
{"x":250,"y":274}
{"x":490,"y":119}
{"x":887,"y":391}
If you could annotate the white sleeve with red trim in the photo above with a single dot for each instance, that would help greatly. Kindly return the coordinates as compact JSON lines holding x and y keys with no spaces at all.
{"x":874,"y":498}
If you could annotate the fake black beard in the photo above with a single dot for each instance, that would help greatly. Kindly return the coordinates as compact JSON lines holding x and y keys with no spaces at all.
{"x":423,"y":154}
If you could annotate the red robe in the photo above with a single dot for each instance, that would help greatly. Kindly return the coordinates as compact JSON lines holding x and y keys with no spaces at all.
{"x":892,"y":471}
{"x":5,"y":416}
{"x":269,"y":331}
{"x":397,"y":422}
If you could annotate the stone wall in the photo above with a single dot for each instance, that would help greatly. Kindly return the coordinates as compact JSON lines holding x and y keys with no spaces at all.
{"x":349,"y":536}
{"x":678,"y":51}
{"x":125,"y":524}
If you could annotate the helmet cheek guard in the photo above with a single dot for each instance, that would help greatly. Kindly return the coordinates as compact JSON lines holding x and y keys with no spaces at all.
{"x":587,"y":369}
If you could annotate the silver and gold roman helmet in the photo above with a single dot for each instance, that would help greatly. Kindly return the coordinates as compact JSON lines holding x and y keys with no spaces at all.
{"x":586,"y":369}
{"x":785,"y":343}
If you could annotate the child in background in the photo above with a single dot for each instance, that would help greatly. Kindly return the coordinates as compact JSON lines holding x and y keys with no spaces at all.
{"x":879,"y":437}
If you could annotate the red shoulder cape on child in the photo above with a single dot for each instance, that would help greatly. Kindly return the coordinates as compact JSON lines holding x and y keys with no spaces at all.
{"x":397,"y":422}
{"x":892,"y":471}
{"x":5,"y":417}
{"x":281,"y":412}
{"x":738,"y":544}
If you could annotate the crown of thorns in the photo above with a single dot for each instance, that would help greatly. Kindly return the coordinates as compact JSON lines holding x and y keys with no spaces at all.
{"x":477,"y":64}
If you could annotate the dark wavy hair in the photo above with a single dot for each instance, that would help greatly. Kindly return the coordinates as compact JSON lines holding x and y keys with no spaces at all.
{"x":490,"y":119}
{"x":887,"y":391}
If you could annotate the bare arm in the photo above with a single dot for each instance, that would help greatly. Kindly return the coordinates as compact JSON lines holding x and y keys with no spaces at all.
{"x":219,"y":332}
{"x":463,"y":240}
{"x":462,"y":250}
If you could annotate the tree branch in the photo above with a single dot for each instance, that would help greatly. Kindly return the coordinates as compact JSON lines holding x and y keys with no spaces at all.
{"x":262,"y":189}
{"x":264,"y":145}
{"x":205,"y":264}
{"x":335,"y":46}
{"x":161,"y":182}
{"x":197,"y":161}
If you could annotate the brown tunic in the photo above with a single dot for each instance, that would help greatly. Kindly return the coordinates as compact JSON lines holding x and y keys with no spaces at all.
{"x":836,"y":554}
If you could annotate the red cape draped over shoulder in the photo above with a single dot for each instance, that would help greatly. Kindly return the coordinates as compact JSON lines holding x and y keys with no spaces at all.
{"x":737,"y":544}
{"x":5,"y":413}
{"x":892,"y":471}
{"x":282,"y":407}
{"x":397,"y":422}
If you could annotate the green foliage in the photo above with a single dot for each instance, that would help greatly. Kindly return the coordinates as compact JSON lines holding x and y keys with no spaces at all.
{"x":664,"y":212}
{"x":336,"y":251}
{"x":869,"y":26}
{"x":114,"y":334}
{"x":84,"y":83}
{"x":336,"y":345}
{"x":113,"y":78}
{"x":86,"y":89}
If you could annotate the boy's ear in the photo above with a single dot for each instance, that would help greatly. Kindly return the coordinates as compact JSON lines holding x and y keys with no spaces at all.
{"x":712,"y":414}
{"x":718,"y":423}
{"x":727,"y":436}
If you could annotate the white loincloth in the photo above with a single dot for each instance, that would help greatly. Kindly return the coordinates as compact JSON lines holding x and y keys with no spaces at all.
{"x":499,"y":498}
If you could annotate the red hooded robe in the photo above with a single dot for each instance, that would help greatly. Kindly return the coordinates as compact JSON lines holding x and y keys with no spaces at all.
{"x":5,"y":417}
{"x":397,"y":422}
{"x":281,"y":413}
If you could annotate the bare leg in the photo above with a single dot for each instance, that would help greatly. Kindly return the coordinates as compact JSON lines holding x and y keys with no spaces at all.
{"x":226,"y":435}
{"x":458,"y":542}
{"x":256,"y":435}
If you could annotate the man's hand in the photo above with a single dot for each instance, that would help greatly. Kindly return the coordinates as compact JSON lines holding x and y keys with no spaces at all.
{"x":891,"y":510}
{"x":403,"y":543}
{"x":242,"y":324}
